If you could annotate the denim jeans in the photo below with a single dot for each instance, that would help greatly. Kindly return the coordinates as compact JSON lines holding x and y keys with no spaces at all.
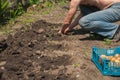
{"x":100,"y":21}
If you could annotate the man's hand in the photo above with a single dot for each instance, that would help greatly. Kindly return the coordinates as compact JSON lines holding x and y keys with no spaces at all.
{"x":63,"y":29}
{"x":67,"y":30}
{"x":68,"y":19}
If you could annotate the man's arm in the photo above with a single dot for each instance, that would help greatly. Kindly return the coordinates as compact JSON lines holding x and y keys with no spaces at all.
{"x":68,"y":19}
{"x":73,"y":24}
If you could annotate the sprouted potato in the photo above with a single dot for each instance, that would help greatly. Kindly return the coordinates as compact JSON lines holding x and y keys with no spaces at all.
{"x":114,"y":60}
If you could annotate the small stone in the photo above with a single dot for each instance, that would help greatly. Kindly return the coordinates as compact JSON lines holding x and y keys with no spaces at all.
{"x":38,"y":57}
{"x":38,"y":52}
{"x":34,"y":5}
{"x":2,"y":63}
{"x":40,"y":31}
{"x":34,"y":41}
{"x":3,"y":39}
{"x":83,"y":66}
{"x":31,"y":44}
{"x":77,"y":75}
{"x":3,"y":68}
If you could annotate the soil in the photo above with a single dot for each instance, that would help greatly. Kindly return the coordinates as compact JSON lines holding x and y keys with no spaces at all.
{"x":39,"y":53}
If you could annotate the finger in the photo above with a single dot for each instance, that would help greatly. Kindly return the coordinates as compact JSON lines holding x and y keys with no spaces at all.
{"x":59,"y":32}
{"x":66,"y":30}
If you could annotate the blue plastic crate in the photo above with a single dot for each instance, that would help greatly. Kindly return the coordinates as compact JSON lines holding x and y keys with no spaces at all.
{"x":105,"y":66}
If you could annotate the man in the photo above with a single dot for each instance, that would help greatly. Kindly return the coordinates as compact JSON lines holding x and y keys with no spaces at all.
{"x":97,"y":16}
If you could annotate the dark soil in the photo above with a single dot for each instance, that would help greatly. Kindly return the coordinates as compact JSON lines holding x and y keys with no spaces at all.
{"x":28,"y":55}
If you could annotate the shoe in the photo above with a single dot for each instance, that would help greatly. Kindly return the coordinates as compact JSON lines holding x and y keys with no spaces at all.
{"x":116,"y":37}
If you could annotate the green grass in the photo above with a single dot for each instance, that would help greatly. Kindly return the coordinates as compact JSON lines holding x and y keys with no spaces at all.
{"x":1,"y":49}
{"x":28,"y":17}
{"x":108,"y":41}
{"x":45,"y":12}
{"x":76,"y":65}
{"x":86,"y":53}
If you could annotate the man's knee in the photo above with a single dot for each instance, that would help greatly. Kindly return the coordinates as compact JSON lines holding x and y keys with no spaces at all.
{"x":84,"y":23}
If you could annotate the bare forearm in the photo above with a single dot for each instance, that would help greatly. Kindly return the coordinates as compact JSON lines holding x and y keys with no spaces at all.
{"x":73,"y":7}
{"x":75,"y":22}
{"x":69,"y":17}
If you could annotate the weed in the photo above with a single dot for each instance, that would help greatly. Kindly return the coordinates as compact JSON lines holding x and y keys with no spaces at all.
{"x":8,"y":32}
{"x":62,"y":2}
{"x":17,"y":12}
{"x":32,"y":12}
{"x":48,"y":4}
{"x":76,"y":65}
{"x":45,"y":12}
{"x":34,"y":2}
{"x":11,"y":22}
{"x":107,"y":41}
{"x":92,"y":36}
{"x":6,"y":13}
{"x":39,"y":8}
{"x":3,"y":9}
{"x":28,"y":21}
{"x":24,"y":30}
{"x":86,"y":53}
{"x":1,"y":49}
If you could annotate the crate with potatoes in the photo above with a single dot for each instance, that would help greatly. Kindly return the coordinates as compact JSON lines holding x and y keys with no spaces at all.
{"x":107,"y":60}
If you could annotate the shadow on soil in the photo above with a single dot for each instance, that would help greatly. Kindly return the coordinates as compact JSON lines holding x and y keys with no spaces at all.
{"x":91,"y":36}
{"x":78,"y":32}
{"x":94,"y":37}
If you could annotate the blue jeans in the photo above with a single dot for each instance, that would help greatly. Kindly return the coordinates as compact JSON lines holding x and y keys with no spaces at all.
{"x":100,"y":21}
